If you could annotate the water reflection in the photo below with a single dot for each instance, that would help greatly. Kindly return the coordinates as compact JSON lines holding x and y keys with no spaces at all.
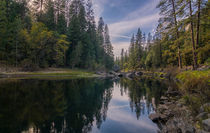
{"x":144,"y":94}
{"x":78,"y":105}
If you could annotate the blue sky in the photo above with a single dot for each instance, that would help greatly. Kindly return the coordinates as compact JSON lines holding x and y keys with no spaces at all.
{"x":124,"y":17}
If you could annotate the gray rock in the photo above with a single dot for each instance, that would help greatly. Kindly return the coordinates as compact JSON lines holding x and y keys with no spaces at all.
{"x":139,"y":73}
{"x":179,"y":105}
{"x":202,"y":116}
{"x":130,"y":75}
{"x":116,"y":68}
{"x":154,"y":117}
{"x":206,"y":125}
{"x":120,"y":75}
{"x":163,"y":98}
{"x":189,"y":129}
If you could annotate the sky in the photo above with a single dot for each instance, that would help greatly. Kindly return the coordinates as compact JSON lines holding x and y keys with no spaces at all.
{"x":124,"y":17}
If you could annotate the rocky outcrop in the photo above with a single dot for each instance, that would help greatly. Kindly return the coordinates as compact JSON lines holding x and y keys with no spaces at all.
{"x":173,"y":116}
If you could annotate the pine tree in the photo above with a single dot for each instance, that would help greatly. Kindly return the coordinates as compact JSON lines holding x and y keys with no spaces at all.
{"x":195,"y":65}
{"x":50,"y":16}
{"x":122,"y":59}
{"x":138,"y":47}
{"x":132,"y":62}
{"x":149,"y":41}
{"x":100,"y":34}
{"x":3,"y":29}
{"x":169,"y":10}
{"x":108,"y":49}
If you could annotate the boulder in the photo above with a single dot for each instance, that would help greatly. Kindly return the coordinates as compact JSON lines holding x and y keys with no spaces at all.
{"x":120,"y":75}
{"x":113,"y":73}
{"x":206,"y":125}
{"x":154,"y":117}
{"x":116,"y":68}
{"x":139,"y":73}
{"x":163,"y":98}
{"x":202,"y":116}
{"x":130,"y":75}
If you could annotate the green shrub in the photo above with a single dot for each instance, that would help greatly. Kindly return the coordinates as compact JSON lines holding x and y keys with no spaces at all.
{"x":195,"y":88}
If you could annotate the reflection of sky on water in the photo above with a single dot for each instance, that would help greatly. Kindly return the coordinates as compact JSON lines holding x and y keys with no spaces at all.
{"x":121,"y":119}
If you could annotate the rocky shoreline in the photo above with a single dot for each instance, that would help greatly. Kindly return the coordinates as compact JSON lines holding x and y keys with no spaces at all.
{"x":132,"y":75}
{"x":173,"y":116}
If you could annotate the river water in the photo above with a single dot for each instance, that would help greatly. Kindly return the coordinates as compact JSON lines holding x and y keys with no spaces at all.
{"x":79,"y":105}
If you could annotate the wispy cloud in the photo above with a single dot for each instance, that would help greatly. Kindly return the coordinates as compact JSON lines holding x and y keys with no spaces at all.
{"x":99,"y":6}
{"x":129,"y":25}
{"x":146,"y":16}
{"x":120,"y":36}
{"x":118,"y":46}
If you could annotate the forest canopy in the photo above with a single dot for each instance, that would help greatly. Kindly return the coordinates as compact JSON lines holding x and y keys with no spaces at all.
{"x":53,"y":33}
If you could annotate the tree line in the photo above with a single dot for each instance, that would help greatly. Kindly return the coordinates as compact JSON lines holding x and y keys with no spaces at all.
{"x":181,"y":38}
{"x":53,"y":33}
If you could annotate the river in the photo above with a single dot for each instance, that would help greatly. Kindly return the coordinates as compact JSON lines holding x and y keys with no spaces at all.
{"x":79,"y":105}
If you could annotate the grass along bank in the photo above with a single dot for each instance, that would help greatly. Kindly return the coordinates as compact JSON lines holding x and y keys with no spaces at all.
{"x":50,"y":72}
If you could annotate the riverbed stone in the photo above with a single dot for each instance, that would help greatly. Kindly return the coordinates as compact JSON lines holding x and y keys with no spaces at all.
{"x":206,"y":125}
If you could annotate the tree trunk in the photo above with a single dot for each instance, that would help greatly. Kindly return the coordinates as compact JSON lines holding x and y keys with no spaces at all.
{"x":160,"y":55}
{"x":193,"y":40}
{"x":198,"y":24}
{"x":41,"y":6}
{"x":177,"y":35}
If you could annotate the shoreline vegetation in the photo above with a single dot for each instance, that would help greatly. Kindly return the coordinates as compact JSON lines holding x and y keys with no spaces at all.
{"x":49,"y":73}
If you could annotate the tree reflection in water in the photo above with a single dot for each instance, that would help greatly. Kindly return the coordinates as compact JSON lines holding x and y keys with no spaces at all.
{"x":69,"y":106}
{"x":144,"y":94}
{"x":53,"y":105}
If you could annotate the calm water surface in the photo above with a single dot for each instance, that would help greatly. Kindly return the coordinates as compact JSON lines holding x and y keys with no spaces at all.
{"x":78,"y":105}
